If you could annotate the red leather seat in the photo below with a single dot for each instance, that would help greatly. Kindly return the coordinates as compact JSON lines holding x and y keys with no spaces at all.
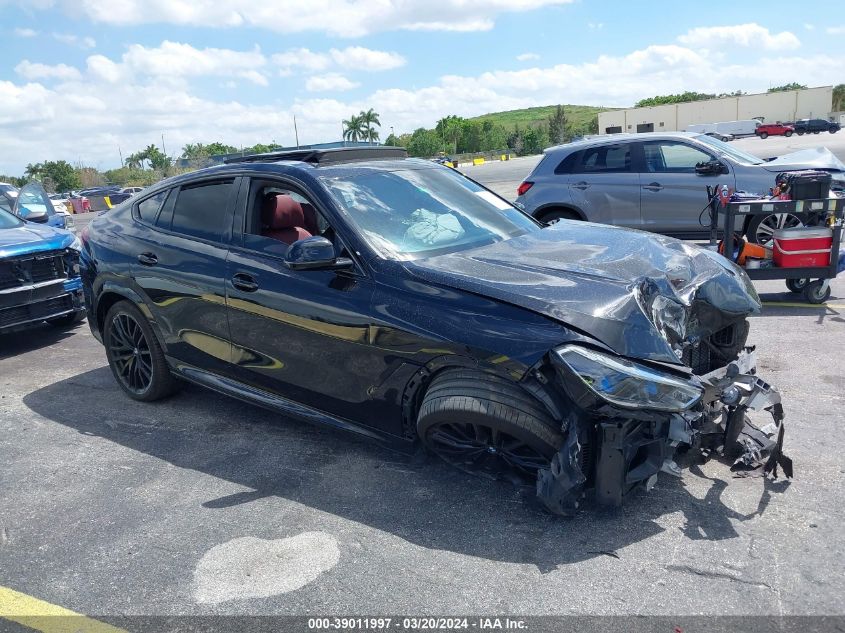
{"x":282,"y":219}
{"x":310,"y":218}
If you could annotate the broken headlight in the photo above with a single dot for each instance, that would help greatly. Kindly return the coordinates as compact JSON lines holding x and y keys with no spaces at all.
{"x":627,"y":384}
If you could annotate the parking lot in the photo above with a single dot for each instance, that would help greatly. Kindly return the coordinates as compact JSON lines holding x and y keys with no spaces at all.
{"x":202,"y":505}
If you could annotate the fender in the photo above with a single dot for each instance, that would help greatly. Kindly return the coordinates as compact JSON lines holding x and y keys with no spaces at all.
{"x":539,"y":211}
{"x":110,"y":287}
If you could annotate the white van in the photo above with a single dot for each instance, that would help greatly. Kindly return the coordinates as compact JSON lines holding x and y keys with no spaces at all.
{"x":738,"y":128}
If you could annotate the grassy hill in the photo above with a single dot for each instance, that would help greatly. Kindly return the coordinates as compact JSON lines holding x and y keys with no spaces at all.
{"x":578,"y":116}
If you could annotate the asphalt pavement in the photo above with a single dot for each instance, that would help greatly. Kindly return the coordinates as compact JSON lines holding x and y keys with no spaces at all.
{"x":203,"y":505}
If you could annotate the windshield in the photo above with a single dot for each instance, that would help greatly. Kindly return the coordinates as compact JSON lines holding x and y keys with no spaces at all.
{"x":412,"y":213}
{"x":5,"y":187}
{"x":724,"y":148}
{"x":7,"y":220}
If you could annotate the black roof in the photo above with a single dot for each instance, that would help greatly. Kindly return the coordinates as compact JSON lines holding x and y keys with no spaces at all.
{"x":325,"y":156}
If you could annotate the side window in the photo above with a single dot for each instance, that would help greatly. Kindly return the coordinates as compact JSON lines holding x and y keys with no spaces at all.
{"x":568,"y":165}
{"x":670,"y":157}
{"x":203,"y":210}
{"x":606,"y":159}
{"x":148,"y":209}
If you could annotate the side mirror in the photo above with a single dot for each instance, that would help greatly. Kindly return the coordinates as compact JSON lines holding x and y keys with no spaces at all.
{"x":711,"y":168}
{"x":315,"y":253}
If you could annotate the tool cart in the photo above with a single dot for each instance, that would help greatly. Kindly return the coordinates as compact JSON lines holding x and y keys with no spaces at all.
{"x":807,"y":258}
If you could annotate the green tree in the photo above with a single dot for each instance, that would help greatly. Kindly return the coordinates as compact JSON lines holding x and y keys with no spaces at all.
{"x":450,"y":129}
{"x":56,"y":175}
{"x":17,"y":181}
{"x":557,"y":126}
{"x":425,"y":143}
{"x":536,"y":140}
{"x":839,"y":97}
{"x":593,"y":127}
{"x":788,"y":87}
{"x":216,"y":149}
{"x":682,"y":97}
{"x":392,"y":140}
{"x":370,"y":121}
{"x":353,"y":128}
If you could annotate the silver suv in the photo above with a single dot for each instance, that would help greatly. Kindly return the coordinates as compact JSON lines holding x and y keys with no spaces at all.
{"x":651,"y":181}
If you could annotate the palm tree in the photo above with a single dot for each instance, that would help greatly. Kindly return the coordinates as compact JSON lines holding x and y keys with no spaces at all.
{"x":369,"y":119}
{"x":839,"y":97}
{"x":353,"y":129}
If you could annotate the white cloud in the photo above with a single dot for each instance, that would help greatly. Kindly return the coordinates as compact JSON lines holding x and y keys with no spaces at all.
{"x":360,"y":58}
{"x":330,"y":82}
{"x":31,"y":70}
{"x":25,"y":32}
{"x":89,"y":118}
{"x":75,"y":40}
{"x":345,"y":18}
{"x":748,"y":35}
{"x":835,"y":30}
{"x":350,"y":58}
{"x":595,"y":26}
{"x":527,"y":57}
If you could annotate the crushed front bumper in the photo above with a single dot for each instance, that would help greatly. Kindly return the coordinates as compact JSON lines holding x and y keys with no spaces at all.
{"x":613,"y":451}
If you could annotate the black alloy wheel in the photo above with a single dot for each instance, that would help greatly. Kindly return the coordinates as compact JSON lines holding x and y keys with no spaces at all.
{"x":797,"y":285}
{"x":135,"y":357}
{"x":486,"y":451}
{"x":130,"y":352}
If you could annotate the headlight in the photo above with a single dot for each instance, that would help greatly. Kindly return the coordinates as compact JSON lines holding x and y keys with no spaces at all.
{"x":76,"y":244}
{"x":628,"y":384}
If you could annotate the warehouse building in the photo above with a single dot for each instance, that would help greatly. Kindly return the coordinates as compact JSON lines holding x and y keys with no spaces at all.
{"x":768,"y":107}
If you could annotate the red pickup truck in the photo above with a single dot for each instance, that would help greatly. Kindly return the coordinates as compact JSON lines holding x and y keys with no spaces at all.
{"x":765,"y":130}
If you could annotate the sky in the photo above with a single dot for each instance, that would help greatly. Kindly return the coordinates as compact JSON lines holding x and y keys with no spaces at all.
{"x":87,"y":80}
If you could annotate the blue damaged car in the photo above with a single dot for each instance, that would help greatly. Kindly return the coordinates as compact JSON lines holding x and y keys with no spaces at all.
{"x":39,"y":266}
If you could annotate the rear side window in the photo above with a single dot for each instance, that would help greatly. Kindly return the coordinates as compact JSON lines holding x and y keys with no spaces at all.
{"x":606,"y":159}
{"x":203,"y":210}
{"x":568,"y":165}
{"x":148,"y":209}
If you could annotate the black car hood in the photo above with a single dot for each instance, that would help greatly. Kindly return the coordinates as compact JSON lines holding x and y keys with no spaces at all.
{"x":640,"y":294}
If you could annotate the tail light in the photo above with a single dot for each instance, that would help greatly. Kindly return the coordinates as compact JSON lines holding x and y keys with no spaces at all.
{"x":525,"y":186}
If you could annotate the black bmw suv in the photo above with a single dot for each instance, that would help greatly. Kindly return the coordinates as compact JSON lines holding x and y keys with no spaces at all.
{"x":397,"y":299}
{"x":815,"y":126}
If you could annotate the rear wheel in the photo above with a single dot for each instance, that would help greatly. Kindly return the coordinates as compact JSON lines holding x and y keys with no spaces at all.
{"x":761,"y":228}
{"x":487,"y":426}
{"x":813,"y":292}
{"x":549,"y":217}
{"x":135,"y":357}
{"x":800,"y":132}
{"x":788,"y":133}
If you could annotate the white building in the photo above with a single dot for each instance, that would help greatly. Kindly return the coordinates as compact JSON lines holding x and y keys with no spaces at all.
{"x":769,"y":106}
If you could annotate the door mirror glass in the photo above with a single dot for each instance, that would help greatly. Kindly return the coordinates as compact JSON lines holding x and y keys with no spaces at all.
{"x":33,"y":204}
{"x":711,"y":168}
{"x":315,"y":253}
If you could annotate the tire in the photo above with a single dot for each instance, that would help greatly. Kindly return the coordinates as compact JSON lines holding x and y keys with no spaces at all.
{"x":129,"y":339}
{"x":788,"y":133}
{"x":549,"y":217}
{"x":813,"y":293}
{"x":797,"y":285}
{"x":800,"y":132}
{"x":816,"y":131}
{"x":67,"y":320}
{"x":833,"y":130}
{"x":764,"y":135}
{"x":487,"y":426}
{"x":761,"y":228}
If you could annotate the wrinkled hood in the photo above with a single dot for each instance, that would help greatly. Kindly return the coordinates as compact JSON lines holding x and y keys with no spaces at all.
{"x":640,"y":294}
{"x":817,"y":158}
{"x":32,"y":238}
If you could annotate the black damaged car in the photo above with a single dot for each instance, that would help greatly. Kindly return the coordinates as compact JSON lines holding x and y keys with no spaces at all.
{"x":399,"y":300}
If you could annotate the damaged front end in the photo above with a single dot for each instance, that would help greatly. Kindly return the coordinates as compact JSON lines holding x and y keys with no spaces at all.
{"x":631,"y":419}
{"x":629,"y":422}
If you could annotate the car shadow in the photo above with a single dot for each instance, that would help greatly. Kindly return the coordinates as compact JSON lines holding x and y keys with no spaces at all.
{"x":35,"y":337}
{"x":416,"y":497}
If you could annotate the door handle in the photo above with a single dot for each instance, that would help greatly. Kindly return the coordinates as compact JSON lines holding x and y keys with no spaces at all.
{"x":653,"y":186}
{"x":581,"y":185}
{"x":148,"y":259}
{"x":245,"y":282}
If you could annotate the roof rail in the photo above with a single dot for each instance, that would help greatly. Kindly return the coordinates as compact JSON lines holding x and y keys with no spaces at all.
{"x":324,"y":156}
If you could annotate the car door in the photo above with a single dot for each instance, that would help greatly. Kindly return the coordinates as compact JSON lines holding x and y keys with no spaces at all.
{"x":672,"y":195}
{"x":178,"y":247}
{"x":604,"y":186}
{"x":306,"y":335}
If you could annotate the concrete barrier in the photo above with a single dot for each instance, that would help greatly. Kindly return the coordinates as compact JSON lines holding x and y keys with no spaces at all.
{"x":477,"y":161}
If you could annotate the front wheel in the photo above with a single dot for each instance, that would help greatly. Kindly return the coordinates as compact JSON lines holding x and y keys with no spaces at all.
{"x":800,"y":132}
{"x":487,"y":426}
{"x":788,"y":133}
{"x":761,"y":228}
{"x":135,"y":357}
{"x":833,"y":130}
{"x":764,"y":135}
{"x":813,"y":292}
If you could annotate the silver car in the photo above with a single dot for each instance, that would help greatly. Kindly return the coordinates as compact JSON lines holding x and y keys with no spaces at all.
{"x":657,"y":182}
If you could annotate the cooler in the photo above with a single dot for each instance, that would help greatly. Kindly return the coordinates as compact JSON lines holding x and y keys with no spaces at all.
{"x":802,"y":247}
